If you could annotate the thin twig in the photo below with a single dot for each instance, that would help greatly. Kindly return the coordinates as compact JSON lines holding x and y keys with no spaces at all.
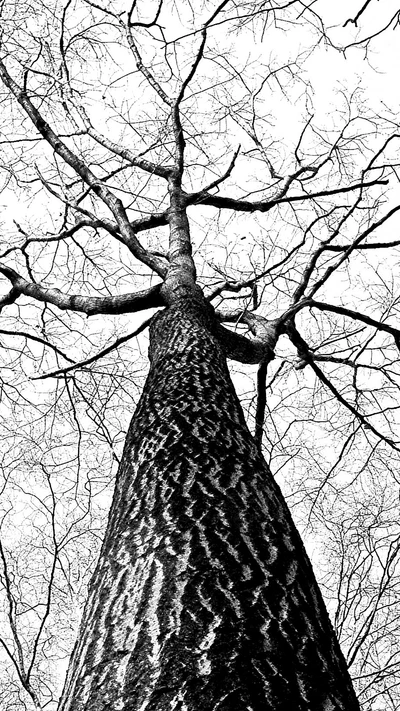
{"x":92,"y":359}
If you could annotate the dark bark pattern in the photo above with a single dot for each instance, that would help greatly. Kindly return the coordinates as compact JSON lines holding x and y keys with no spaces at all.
{"x":203,"y":598}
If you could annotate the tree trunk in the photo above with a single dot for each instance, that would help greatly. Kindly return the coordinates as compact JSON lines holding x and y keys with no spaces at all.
{"x":203,"y":597}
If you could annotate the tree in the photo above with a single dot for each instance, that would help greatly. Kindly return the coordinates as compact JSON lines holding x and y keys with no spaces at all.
{"x":203,"y":595}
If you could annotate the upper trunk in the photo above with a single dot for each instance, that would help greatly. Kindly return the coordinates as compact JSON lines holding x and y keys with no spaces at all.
{"x":203,"y":597}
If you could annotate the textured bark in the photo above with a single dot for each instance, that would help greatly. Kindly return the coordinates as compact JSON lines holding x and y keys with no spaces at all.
{"x":203,"y":598}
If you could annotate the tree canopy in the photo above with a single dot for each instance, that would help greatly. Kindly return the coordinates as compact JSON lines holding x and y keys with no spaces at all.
{"x":254,"y":120}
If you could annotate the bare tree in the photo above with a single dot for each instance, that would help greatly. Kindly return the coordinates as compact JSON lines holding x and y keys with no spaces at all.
{"x":143,"y":140}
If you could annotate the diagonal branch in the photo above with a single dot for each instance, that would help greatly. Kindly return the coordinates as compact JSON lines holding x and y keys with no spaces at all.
{"x":12,"y":618}
{"x":139,"y":62}
{"x":121,"y":151}
{"x":393,"y":20}
{"x":361,"y":247}
{"x":216,"y":12}
{"x":97,"y":356}
{"x":9,"y":298}
{"x":202,"y":197}
{"x":350,"y":313}
{"x":37,"y":339}
{"x":347,"y":252}
{"x":114,"y":204}
{"x":193,"y":68}
{"x":355,"y":19}
{"x":224,"y":176}
{"x":175,"y":113}
{"x":306,"y":356}
{"x":379,"y":325}
{"x":146,"y":223}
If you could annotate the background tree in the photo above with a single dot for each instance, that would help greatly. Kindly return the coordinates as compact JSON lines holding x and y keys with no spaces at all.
{"x":285,"y":204}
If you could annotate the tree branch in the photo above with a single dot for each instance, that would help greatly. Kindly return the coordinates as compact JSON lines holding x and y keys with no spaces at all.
{"x":139,"y":63}
{"x":371,"y":245}
{"x":202,"y":197}
{"x":90,"y":305}
{"x":114,"y":204}
{"x":101,"y":354}
{"x":246,"y":350}
{"x":394,"y":19}
{"x":225,"y":175}
{"x":240,"y":348}
{"x":357,"y":17}
{"x":175,"y":113}
{"x":31,"y":337}
{"x":350,"y":313}
{"x":121,"y":151}
{"x":307,"y":356}
{"x":351,"y":248}
{"x":9,"y":298}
